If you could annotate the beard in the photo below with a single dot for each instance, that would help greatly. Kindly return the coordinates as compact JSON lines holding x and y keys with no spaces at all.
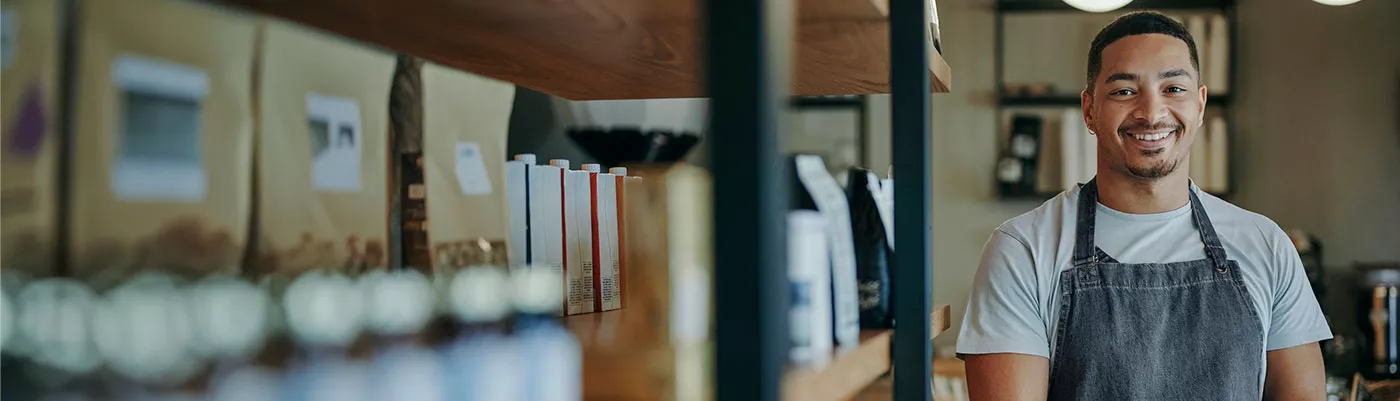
{"x":1153,"y":170}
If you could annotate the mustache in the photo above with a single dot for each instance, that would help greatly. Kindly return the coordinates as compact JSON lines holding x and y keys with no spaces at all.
{"x":1140,"y":126}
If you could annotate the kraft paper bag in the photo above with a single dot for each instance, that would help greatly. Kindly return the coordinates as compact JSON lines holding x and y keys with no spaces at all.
{"x":322,"y":153}
{"x":465,"y":119}
{"x":162,"y":139}
{"x":28,"y":128}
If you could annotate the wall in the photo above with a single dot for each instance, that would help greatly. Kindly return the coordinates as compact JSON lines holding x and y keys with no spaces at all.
{"x":1319,"y":142}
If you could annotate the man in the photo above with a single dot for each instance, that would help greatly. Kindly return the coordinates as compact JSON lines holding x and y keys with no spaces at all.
{"x":1137,"y":285}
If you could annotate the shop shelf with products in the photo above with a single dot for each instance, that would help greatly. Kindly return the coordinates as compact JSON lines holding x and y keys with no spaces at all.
{"x":635,"y":49}
{"x":1048,"y":89}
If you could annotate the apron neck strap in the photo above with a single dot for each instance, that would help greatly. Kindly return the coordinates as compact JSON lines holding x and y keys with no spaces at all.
{"x":1084,"y":250}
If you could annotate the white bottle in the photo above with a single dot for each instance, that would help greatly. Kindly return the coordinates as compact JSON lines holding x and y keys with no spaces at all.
{"x":231,"y":323}
{"x":483,"y":362}
{"x":325,"y":315}
{"x":398,"y":306}
{"x":551,"y":356}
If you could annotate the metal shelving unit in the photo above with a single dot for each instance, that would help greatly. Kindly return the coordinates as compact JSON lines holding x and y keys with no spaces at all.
{"x":753,"y":57}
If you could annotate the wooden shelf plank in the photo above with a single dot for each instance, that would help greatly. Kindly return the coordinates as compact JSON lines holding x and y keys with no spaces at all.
{"x":605,"y":49}
{"x":617,"y":367}
{"x":850,"y":372}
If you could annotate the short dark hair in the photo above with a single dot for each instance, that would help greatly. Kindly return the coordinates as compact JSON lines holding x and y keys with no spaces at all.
{"x":1138,"y":23}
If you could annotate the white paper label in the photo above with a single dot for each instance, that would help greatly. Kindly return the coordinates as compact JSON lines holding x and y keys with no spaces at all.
{"x":334,"y":126}
{"x":831,"y":202}
{"x":471,"y":170}
{"x":159,"y":135}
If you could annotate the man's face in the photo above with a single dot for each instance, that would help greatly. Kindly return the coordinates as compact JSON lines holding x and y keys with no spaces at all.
{"x":1146,"y":106}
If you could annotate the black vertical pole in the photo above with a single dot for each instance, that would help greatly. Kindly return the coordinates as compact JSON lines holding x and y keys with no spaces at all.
{"x":747,"y":54}
{"x":70,"y":21}
{"x":913,"y":167}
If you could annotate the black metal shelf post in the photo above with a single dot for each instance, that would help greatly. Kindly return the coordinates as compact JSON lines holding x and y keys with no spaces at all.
{"x":913,"y":168}
{"x":747,"y":55}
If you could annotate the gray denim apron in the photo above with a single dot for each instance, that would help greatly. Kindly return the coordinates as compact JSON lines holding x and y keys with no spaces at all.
{"x":1154,"y":331}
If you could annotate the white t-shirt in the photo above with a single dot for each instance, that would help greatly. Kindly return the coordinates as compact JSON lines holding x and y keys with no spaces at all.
{"x":1014,"y":304}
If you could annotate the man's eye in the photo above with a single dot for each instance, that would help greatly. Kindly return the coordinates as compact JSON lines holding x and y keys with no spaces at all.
{"x":1121,"y":92}
{"x":1175,"y":89}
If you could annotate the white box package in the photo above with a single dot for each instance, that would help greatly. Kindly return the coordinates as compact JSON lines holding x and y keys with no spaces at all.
{"x":518,"y":209}
{"x":831,"y":202}
{"x":605,"y":248}
{"x":547,"y":219}
{"x":578,"y":220}
{"x":809,"y":316}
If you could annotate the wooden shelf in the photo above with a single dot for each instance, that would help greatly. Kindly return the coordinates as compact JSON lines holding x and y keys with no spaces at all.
{"x":616,"y":367}
{"x":606,"y":49}
{"x":850,"y":372}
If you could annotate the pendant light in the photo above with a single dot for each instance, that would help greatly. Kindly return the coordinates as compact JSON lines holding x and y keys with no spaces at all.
{"x":1336,"y":2}
{"x":1098,"y":6}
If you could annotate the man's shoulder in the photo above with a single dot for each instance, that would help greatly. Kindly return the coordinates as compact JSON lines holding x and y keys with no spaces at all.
{"x":1049,"y":217}
{"x":1240,"y":225}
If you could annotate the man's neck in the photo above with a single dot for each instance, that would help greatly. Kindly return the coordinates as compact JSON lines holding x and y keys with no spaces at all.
{"x":1141,"y":196}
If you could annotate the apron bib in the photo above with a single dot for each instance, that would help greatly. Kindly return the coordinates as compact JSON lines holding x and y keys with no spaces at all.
{"x":1154,"y":331}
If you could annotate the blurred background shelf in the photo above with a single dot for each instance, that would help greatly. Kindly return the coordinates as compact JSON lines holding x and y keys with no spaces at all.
{"x":614,"y":49}
{"x":1044,"y":196}
{"x":1073,"y":101}
{"x":1059,"y":5}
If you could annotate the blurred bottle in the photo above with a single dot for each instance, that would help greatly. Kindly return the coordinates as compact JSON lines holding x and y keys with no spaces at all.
{"x":551,"y":356}
{"x":399,"y":305}
{"x":239,"y":325}
{"x":482,"y":361}
{"x":52,"y":349}
{"x":144,"y":331}
{"x":324,"y":313}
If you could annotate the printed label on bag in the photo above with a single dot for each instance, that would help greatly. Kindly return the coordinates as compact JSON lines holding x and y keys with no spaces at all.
{"x":334,"y":127}
{"x":159,"y":135}
{"x":471,"y":170}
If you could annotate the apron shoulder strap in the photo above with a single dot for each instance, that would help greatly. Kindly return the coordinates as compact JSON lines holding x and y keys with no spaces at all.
{"x":1084,"y":251}
{"x":1086,"y":254}
{"x":1215,"y":251}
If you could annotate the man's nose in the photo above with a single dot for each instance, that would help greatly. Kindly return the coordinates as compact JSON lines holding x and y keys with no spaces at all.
{"x":1151,"y":107}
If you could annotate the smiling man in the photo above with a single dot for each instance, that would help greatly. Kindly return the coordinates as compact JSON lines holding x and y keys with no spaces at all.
{"x":1137,"y":285}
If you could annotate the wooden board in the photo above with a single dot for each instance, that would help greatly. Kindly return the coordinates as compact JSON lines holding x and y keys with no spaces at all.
{"x":605,"y":49}
{"x":616,"y":366}
{"x":851,"y":372}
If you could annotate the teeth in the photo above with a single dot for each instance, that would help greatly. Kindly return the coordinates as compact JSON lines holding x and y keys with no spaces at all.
{"x":1151,"y":137}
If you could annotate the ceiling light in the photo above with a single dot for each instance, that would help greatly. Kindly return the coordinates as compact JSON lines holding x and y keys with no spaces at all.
{"x":1336,"y":2}
{"x":1098,"y":6}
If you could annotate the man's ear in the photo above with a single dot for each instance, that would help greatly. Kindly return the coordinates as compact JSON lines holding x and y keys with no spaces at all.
{"x":1201,"y":112}
{"x":1086,"y":105}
